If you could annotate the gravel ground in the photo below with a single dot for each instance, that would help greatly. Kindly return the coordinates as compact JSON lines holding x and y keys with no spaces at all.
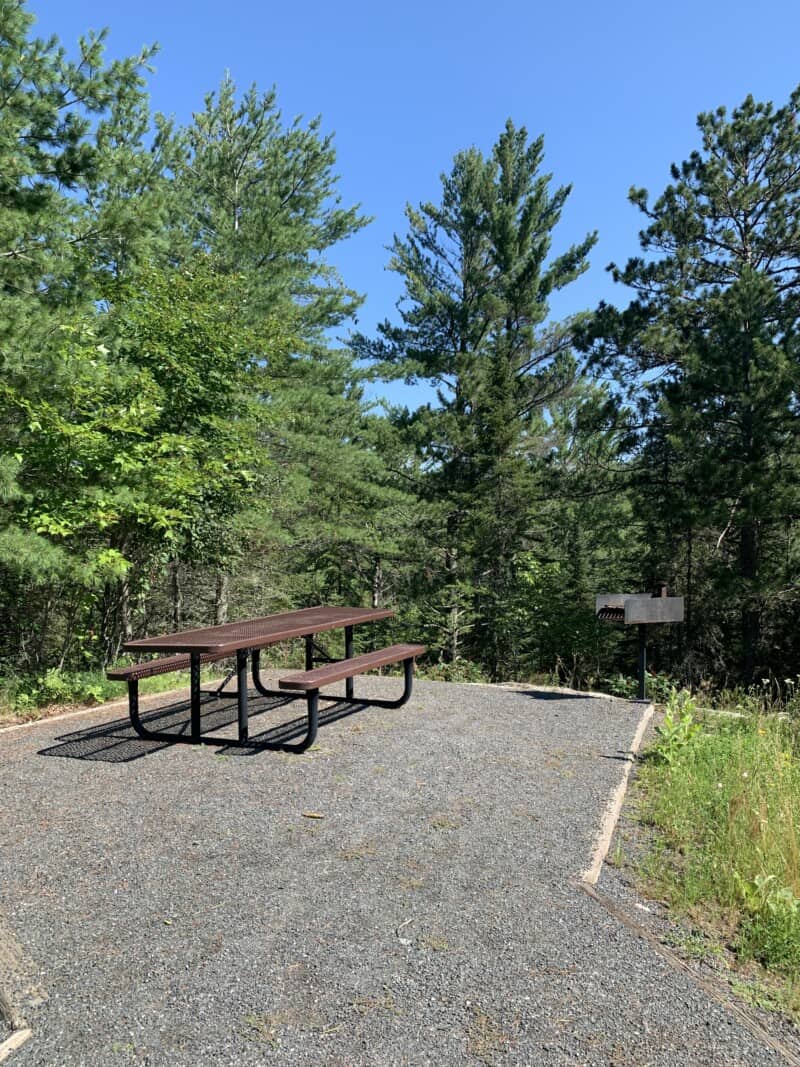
{"x":182,"y":907}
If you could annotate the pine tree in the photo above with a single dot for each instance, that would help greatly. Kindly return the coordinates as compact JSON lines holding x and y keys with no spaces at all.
{"x":710,"y":344}
{"x":478,"y":274}
{"x":261,"y":196}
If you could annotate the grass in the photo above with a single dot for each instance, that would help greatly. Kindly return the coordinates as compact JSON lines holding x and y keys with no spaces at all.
{"x":486,"y":1038}
{"x":29,"y":699}
{"x":724,"y":797}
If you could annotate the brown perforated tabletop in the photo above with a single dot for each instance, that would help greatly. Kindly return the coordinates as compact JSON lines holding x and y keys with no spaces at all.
{"x":258,"y":633}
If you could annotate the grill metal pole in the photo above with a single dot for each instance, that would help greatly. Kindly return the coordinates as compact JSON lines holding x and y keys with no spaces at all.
{"x":642,"y":661}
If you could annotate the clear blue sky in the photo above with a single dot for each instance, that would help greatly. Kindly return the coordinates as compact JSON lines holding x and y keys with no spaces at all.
{"x":614,"y":87}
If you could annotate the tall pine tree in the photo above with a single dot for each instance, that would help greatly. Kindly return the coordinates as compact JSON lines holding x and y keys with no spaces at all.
{"x":478,"y":274}
{"x":709,"y":344}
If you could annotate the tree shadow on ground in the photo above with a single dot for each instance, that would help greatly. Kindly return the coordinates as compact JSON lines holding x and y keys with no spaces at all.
{"x":545,"y":694}
{"x":117,"y":742}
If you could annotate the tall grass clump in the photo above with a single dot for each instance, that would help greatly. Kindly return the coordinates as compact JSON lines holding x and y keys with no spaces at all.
{"x":725,"y":796}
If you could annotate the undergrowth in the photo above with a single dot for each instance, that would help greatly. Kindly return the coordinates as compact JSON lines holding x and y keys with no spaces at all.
{"x":724,"y":796}
{"x":25,"y":699}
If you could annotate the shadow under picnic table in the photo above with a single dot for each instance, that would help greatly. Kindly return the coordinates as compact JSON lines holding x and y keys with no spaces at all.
{"x":117,"y":742}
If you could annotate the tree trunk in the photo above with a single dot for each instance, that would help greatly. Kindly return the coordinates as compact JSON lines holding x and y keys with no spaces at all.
{"x":126,"y":625}
{"x":221,"y":600}
{"x":377,"y":584}
{"x":751,"y":612}
{"x":177,"y":595}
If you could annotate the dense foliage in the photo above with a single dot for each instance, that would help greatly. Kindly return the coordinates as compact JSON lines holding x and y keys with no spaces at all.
{"x":182,"y":441}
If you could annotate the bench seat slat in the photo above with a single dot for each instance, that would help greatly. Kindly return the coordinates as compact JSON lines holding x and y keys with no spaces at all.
{"x":158,"y":666}
{"x":348,"y":668}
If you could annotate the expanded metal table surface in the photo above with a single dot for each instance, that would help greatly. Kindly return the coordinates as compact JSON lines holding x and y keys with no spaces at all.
{"x":245,"y":639}
{"x":258,"y":633}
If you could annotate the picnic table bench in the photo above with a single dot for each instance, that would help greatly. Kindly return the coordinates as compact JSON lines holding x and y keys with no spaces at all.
{"x":245,"y":639}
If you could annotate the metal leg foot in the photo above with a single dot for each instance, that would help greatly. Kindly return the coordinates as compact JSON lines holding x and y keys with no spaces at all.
{"x":312,"y":700}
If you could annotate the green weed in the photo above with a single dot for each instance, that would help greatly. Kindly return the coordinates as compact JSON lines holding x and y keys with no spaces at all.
{"x":678,"y":728}
{"x":725,"y":800}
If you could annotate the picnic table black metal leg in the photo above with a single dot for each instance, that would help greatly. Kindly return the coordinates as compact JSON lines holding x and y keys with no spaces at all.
{"x":408,"y":680}
{"x":309,"y":652}
{"x":194,"y":694}
{"x":312,"y":702}
{"x":348,"y":654}
{"x":313,"y":720}
{"x":133,"y":707}
{"x":264,"y":690}
{"x":241,"y":692}
{"x":153,"y":735}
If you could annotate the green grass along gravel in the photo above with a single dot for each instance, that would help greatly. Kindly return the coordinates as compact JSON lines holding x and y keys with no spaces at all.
{"x":723,"y":795}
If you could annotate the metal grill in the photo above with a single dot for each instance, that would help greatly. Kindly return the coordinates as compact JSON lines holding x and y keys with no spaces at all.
{"x":642,"y":610}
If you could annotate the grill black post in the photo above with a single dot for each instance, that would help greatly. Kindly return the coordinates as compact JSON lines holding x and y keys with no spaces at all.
{"x":241,"y":695}
{"x":194,"y":694}
{"x":348,"y":654}
{"x":642,"y":661}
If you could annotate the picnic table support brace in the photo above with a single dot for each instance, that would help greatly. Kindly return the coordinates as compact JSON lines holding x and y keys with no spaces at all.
{"x":348,"y":654}
{"x":159,"y":735}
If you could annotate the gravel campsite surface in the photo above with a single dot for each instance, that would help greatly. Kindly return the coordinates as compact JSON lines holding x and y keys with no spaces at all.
{"x":403,"y":894}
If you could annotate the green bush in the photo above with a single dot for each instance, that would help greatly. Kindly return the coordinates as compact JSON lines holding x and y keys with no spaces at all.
{"x":658,"y":686}
{"x":770,"y":927}
{"x":461,"y":670}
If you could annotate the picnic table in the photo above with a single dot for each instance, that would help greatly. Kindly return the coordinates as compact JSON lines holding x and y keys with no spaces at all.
{"x":245,"y":639}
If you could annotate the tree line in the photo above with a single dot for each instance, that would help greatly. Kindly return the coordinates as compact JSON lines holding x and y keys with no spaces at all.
{"x":182,"y":442}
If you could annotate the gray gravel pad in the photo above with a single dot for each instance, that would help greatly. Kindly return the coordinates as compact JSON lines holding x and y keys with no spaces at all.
{"x":184,"y":906}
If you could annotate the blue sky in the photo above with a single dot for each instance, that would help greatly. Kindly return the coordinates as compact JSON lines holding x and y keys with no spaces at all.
{"x":615,"y":88}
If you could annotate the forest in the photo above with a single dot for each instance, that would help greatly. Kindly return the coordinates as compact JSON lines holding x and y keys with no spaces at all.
{"x":185,"y":440}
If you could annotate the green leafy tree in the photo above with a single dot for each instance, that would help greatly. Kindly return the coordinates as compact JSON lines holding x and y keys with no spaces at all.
{"x":50,"y":159}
